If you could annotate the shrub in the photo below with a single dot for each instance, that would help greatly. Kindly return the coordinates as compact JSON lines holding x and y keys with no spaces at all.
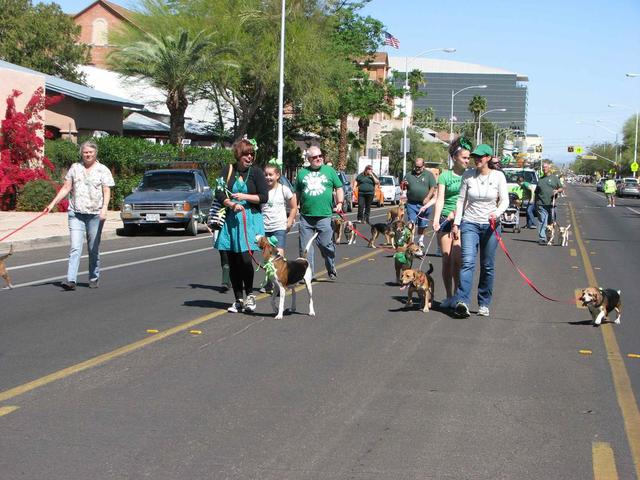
{"x":124,"y":186}
{"x":35,"y":195}
{"x":63,"y":154}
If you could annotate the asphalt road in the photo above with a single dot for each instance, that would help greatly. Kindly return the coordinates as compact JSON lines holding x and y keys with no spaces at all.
{"x":365,"y":390}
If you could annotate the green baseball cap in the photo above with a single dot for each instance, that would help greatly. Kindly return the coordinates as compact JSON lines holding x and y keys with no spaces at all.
{"x":482,"y":150}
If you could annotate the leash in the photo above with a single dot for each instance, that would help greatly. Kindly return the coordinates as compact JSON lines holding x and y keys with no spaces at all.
{"x":23,"y":226}
{"x":246,"y":236}
{"x":426,"y":251}
{"x":522,"y":274}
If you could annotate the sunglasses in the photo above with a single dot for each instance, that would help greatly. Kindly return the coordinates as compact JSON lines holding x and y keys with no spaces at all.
{"x":246,"y":154}
{"x":315,"y":156}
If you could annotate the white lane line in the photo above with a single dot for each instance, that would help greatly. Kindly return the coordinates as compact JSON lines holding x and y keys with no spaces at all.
{"x":138,"y":262}
{"x":131,"y":249}
{"x":114,"y":267}
{"x":122,"y":250}
{"x":634,"y":210}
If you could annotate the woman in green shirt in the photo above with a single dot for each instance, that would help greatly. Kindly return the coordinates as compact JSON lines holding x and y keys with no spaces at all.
{"x":445,"y":210}
{"x":366,"y":182}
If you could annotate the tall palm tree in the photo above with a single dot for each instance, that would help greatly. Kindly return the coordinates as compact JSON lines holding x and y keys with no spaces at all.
{"x":477,"y":105}
{"x":175,"y":64}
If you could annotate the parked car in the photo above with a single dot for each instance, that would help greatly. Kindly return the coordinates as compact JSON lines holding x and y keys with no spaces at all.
{"x":390,"y":187}
{"x":168,"y":198}
{"x":628,"y":188}
{"x":600,"y":185}
{"x":348,"y":192}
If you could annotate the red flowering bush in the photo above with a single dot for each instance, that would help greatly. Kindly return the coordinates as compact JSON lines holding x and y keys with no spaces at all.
{"x":22,"y":156}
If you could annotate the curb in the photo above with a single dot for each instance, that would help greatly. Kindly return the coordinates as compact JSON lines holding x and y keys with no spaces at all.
{"x":53,"y":241}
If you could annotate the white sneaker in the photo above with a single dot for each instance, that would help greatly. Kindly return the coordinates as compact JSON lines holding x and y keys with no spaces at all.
{"x":483,"y":311}
{"x":250,"y":303}
{"x":235,"y":307}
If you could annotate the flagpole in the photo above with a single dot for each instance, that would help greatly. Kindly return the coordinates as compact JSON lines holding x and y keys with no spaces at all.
{"x":281,"y":90}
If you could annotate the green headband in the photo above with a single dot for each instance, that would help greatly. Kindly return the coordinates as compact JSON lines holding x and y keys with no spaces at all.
{"x":464,"y":143}
{"x":253,"y":142}
{"x":274,"y":162}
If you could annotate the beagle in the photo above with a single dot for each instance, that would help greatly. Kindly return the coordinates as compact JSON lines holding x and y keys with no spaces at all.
{"x":287,"y":274}
{"x":395,"y":213}
{"x":420,"y":283}
{"x":3,"y":268}
{"x":390,"y":231}
{"x":601,"y":302}
{"x":344,"y":227}
{"x":403,"y":258}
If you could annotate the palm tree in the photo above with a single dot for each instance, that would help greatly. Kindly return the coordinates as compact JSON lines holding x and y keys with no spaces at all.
{"x":175,"y":64}
{"x":477,"y":105}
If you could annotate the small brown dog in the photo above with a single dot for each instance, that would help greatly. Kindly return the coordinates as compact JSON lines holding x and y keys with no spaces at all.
{"x":395,"y":213}
{"x":420,"y":283}
{"x":403,"y":258}
{"x":342,"y":227}
{"x":3,"y":268}
{"x":601,"y":302}
{"x":391,"y":231}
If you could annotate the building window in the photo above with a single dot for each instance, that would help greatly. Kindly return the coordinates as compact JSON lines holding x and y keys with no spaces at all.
{"x":99,"y":33}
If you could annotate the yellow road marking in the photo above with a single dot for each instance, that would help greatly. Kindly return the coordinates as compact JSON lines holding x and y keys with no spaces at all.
{"x":118,"y":352}
{"x":573,"y":252}
{"x":621,"y":381}
{"x":7,"y":410}
{"x":633,"y":355}
{"x":585,"y":352}
{"x":604,"y":463}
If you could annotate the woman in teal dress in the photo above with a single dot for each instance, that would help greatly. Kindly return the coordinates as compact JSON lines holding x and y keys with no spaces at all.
{"x":243,"y":192}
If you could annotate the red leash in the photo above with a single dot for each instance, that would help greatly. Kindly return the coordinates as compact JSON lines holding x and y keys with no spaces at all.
{"x":23,"y":226}
{"x":522,"y":274}
{"x":246,"y":237}
{"x":360,"y":234}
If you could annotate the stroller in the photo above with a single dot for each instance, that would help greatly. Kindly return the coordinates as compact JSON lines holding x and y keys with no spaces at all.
{"x":511,"y":216}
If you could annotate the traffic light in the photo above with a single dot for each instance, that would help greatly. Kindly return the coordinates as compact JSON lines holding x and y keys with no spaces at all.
{"x":570,"y":149}
{"x":538,"y":148}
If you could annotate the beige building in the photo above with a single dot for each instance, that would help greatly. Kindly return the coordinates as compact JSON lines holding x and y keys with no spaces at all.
{"x":81,"y":112}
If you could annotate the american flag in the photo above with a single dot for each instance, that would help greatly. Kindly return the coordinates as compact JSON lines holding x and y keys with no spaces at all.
{"x":391,"y":40}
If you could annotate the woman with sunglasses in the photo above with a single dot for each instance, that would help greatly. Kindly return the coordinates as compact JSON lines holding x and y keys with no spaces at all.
{"x":445,"y":209}
{"x":483,"y":198}
{"x":242,"y":193}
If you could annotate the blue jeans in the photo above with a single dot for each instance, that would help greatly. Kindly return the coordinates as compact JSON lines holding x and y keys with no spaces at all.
{"x":81,"y":226}
{"x":308,"y":226}
{"x":474,"y":236}
{"x":531,"y":217}
{"x":544,"y":213}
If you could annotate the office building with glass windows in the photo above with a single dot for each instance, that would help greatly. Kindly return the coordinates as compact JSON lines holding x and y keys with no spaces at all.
{"x":444,"y":78}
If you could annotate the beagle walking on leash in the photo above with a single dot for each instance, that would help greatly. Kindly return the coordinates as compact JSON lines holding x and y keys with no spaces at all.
{"x":287,"y":273}
{"x":602,"y":301}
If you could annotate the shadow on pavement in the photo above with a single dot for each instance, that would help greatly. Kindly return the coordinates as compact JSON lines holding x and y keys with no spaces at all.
{"x":206,"y":304}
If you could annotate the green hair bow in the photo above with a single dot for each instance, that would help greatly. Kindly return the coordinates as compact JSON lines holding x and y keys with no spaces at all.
{"x":464,"y":143}
{"x":253,"y":143}
{"x":275,"y":163}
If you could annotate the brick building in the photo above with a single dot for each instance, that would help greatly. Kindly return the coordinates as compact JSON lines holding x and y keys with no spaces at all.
{"x":96,"y":22}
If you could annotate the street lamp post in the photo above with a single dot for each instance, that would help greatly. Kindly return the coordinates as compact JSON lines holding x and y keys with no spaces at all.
{"x":453,"y":94}
{"x":597,"y":124}
{"x":478,"y":134}
{"x":404,"y":102}
{"x":281,"y":88}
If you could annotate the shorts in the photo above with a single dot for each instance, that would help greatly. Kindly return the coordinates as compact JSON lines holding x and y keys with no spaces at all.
{"x":445,"y":227}
{"x":412,"y":214}
{"x":281,"y":236}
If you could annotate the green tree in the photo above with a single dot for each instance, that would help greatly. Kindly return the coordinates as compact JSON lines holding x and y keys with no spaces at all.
{"x":477,"y":105}
{"x":430,"y":151}
{"x":176,"y":64}
{"x":41,"y":37}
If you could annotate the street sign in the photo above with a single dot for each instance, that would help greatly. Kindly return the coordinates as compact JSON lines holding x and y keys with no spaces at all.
{"x":589,"y":157}
{"x":408,"y":146}
{"x":634,"y":167}
{"x":578,"y":149}
{"x":186,"y":141}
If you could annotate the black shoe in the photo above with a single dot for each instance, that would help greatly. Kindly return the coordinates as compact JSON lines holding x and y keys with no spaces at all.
{"x":224,"y":288}
{"x":333,"y":274}
{"x":542,"y":242}
{"x":93,"y":283}
{"x":68,"y":286}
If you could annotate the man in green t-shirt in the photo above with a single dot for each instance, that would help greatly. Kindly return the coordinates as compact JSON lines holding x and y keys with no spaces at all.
{"x":314,"y":187}
{"x":548,"y":188}
{"x":421,"y":194}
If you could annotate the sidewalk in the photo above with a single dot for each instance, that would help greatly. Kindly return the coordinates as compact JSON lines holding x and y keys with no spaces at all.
{"x":49,"y":230}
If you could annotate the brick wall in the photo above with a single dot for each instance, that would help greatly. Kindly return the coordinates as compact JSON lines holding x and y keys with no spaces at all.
{"x":86,"y":21}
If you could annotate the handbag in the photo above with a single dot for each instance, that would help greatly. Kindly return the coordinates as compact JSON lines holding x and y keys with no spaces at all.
{"x":218,"y":212}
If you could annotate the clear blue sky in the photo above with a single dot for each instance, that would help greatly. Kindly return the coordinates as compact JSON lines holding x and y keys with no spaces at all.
{"x":575,"y":53}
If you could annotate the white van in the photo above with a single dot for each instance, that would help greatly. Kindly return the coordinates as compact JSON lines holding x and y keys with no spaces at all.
{"x":390,"y":187}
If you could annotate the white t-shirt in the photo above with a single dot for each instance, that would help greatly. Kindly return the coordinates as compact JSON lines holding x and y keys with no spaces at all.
{"x":480,"y":196}
{"x":86,"y":192}
{"x":274,"y":211}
